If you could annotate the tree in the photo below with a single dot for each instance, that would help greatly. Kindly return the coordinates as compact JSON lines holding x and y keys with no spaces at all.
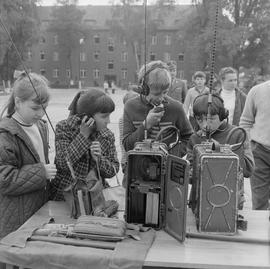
{"x":129,"y":24}
{"x":242,"y":33}
{"x":252,"y":17}
{"x":67,"y":24}
{"x":21,"y":20}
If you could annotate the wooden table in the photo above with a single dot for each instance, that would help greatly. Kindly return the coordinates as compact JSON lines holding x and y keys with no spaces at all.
{"x":167,"y":252}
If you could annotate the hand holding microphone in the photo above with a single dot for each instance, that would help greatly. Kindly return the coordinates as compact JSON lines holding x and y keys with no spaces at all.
{"x":154,"y":116}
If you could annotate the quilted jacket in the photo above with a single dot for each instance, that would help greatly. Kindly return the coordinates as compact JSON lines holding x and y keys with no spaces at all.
{"x":22,"y":175}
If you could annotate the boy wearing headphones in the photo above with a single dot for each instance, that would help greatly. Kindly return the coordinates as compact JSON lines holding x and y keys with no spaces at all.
{"x":153,"y":110}
{"x":219,"y":129}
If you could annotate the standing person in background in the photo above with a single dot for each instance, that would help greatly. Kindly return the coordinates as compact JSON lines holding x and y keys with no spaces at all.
{"x":178,"y":88}
{"x":234,"y":99}
{"x":24,"y":163}
{"x":105,"y":86}
{"x":256,"y":120}
{"x":199,"y":79}
{"x":129,"y":95}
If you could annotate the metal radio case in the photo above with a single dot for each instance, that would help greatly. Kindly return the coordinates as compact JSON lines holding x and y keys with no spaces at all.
{"x":157,"y":187}
{"x":215,"y":189}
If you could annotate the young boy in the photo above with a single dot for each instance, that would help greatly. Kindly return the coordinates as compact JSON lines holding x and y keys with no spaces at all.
{"x":140,"y":114}
{"x":219,"y":130}
{"x":199,"y":79}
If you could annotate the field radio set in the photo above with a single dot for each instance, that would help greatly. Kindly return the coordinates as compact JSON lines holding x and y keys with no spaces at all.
{"x":157,"y":187}
{"x":214,"y":197}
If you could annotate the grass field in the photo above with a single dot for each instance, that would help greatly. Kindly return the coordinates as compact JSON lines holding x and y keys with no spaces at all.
{"x":58,"y":110}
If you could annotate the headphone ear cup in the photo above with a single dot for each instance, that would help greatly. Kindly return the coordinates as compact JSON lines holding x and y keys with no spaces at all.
{"x":223,"y":114}
{"x":145,"y":89}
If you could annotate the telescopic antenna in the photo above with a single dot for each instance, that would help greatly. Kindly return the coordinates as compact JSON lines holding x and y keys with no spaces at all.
{"x":212,"y":69}
{"x":145,"y":48}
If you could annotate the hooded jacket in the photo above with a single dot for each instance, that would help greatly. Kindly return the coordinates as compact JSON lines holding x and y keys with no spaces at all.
{"x":22,"y":175}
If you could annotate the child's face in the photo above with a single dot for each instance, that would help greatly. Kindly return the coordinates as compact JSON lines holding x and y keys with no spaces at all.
{"x":199,"y":81}
{"x":29,"y":110}
{"x":156,"y":97}
{"x":214,"y":122}
{"x":229,"y":82}
{"x":102,"y":120}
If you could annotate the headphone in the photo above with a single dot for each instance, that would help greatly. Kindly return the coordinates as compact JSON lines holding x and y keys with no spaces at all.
{"x":143,"y":88}
{"x":223,"y":113}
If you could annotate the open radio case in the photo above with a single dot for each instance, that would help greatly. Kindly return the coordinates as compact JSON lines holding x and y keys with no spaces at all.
{"x":157,"y":187}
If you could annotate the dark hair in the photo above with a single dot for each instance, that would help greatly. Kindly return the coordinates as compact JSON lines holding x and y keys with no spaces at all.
{"x":23,"y":89}
{"x":199,"y":74}
{"x":200,"y":105}
{"x":91,"y":102}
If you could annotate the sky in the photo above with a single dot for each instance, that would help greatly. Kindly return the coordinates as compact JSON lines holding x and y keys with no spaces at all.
{"x":105,"y":2}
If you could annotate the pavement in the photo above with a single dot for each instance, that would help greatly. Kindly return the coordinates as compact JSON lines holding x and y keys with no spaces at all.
{"x":58,"y":110}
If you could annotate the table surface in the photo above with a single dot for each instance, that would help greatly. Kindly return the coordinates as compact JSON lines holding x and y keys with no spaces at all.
{"x":196,"y":253}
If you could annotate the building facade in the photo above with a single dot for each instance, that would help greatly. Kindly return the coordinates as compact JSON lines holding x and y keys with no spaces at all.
{"x":103,"y":56}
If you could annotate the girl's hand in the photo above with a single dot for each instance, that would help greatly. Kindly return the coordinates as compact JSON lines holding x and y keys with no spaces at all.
{"x":50,"y":170}
{"x":87,"y":126}
{"x":95,"y":150}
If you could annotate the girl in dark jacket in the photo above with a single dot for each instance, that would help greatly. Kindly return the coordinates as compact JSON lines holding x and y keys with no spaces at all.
{"x":24,"y":163}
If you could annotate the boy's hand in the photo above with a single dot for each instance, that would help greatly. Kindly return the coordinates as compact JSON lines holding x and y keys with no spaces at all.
{"x":95,"y":150}
{"x":154,"y":117}
{"x":50,"y":170}
{"x":87,"y":126}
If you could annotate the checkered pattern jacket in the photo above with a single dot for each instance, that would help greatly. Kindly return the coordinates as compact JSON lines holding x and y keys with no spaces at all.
{"x":72,"y":146}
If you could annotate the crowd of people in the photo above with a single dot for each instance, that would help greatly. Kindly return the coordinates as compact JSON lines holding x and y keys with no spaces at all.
{"x":83,"y":140}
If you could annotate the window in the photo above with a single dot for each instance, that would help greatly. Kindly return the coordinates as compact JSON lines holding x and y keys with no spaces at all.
{"x":82,"y":73}
{"x":124,"y":73}
{"x":154,"y":40}
{"x":181,"y":74}
{"x":181,"y":57}
{"x":82,"y":56}
{"x":152,"y":56}
{"x":96,"y":56}
{"x":96,"y":39}
{"x":42,"y":40}
{"x":55,"y":73}
{"x":29,"y":55}
{"x":124,"y":56}
{"x":96,"y":73}
{"x":110,"y":44}
{"x":110,"y":65}
{"x":42,"y":55}
{"x":43,"y":72}
{"x":167,"y":56}
{"x":56,"y":56}
{"x":68,"y":73}
{"x":168,"y":40}
{"x":55,"y":39}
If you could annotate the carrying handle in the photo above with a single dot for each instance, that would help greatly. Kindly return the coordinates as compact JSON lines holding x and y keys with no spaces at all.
{"x":98,"y":173}
{"x":159,"y":136}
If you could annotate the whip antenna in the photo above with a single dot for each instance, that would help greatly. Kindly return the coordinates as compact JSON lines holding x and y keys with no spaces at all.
{"x":145,"y":57}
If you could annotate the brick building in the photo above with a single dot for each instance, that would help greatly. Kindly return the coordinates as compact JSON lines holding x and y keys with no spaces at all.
{"x":103,"y":56}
